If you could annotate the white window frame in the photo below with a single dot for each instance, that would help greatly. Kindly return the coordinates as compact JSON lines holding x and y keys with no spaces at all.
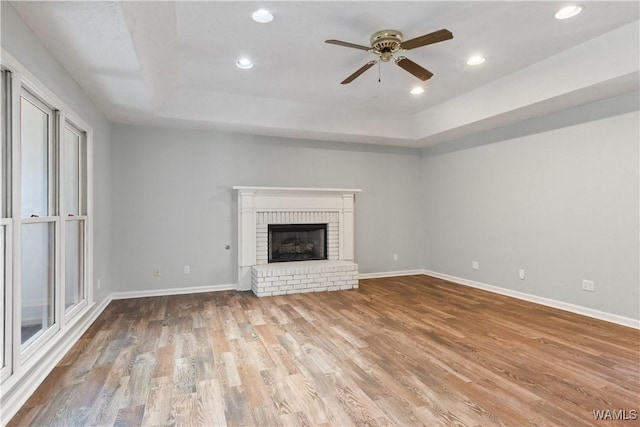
{"x":6,"y":311}
{"x":23,"y":351}
{"x":17,"y":362}
{"x":82,"y":214}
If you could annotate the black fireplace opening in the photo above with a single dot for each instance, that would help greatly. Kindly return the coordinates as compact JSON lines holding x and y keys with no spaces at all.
{"x":297,"y":242}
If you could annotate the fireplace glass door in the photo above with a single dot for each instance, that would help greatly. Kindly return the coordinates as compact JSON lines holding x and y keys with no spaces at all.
{"x":297,"y":242}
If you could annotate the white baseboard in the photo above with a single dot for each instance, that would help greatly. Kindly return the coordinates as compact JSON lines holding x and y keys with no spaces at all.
{"x":585,"y":311}
{"x":18,"y":388}
{"x":390,"y":274}
{"x":174,"y":291}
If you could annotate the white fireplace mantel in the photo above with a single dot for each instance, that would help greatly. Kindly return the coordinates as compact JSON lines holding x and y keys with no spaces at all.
{"x":255,"y":200}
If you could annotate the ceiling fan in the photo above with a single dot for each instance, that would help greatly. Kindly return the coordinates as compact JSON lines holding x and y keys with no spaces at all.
{"x":387,"y":43}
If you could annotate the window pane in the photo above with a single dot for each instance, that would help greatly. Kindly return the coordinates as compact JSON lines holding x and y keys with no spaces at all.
{"x":37,"y":279}
{"x":83,"y":174}
{"x":74,"y":250}
{"x":5,"y":153}
{"x":71,"y":172}
{"x":34,"y":131}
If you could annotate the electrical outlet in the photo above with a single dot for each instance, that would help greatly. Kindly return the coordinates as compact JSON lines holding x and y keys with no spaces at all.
{"x":187,"y":269}
{"x":395,"y":257}
{"x":521,"y":274}
{"x":98,"y":284}
{"x":475,"y":265}
{"x":588,"y":285}
{"x":156,"y":272}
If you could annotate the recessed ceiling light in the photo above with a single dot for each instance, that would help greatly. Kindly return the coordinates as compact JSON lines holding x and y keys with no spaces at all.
{"x":568,"y":11}
{"x":417,"y":90}
{"x":476,"y":60}
{"x":262,"y":16}
{"x":244,"y":63}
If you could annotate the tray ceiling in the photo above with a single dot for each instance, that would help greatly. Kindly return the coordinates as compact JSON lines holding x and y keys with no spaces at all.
{"x":173,"y":64}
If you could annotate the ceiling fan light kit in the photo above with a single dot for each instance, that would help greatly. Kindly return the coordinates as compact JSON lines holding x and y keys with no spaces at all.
{"x":387,"y":43}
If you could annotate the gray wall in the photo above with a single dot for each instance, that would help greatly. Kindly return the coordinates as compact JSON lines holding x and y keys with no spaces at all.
{"x":23,"y":44}
{"x":559,"y":199}
{"x":563,"y":204}
{"x":175,"y":206}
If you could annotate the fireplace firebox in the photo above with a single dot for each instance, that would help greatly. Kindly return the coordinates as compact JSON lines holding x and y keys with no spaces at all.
{"x":297,"y":242}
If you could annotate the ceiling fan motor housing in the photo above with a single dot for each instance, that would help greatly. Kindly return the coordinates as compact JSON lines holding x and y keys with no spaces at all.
{"x":385,"y":43}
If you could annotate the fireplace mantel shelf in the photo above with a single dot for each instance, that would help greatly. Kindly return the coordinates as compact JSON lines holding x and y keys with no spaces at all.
{"x":299,"y":190}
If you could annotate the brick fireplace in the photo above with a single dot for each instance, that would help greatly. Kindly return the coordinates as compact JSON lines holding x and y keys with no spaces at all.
{"x":260,"y":207}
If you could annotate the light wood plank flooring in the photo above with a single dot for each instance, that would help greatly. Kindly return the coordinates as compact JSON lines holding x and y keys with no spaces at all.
{"x":402,"y":351}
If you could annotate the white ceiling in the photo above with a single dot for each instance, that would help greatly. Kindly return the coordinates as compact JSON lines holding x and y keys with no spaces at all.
{"x":173,"y":63}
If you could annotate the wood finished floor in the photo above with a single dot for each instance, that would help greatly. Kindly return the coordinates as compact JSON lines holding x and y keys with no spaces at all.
{"x":399,"y":351}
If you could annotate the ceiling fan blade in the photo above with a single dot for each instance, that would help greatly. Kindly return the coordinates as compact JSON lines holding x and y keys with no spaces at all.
{"x":347,"y":44}
{"x":361,"y":70}
{"x":435,"y":37}
{"x":415,"y":69}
